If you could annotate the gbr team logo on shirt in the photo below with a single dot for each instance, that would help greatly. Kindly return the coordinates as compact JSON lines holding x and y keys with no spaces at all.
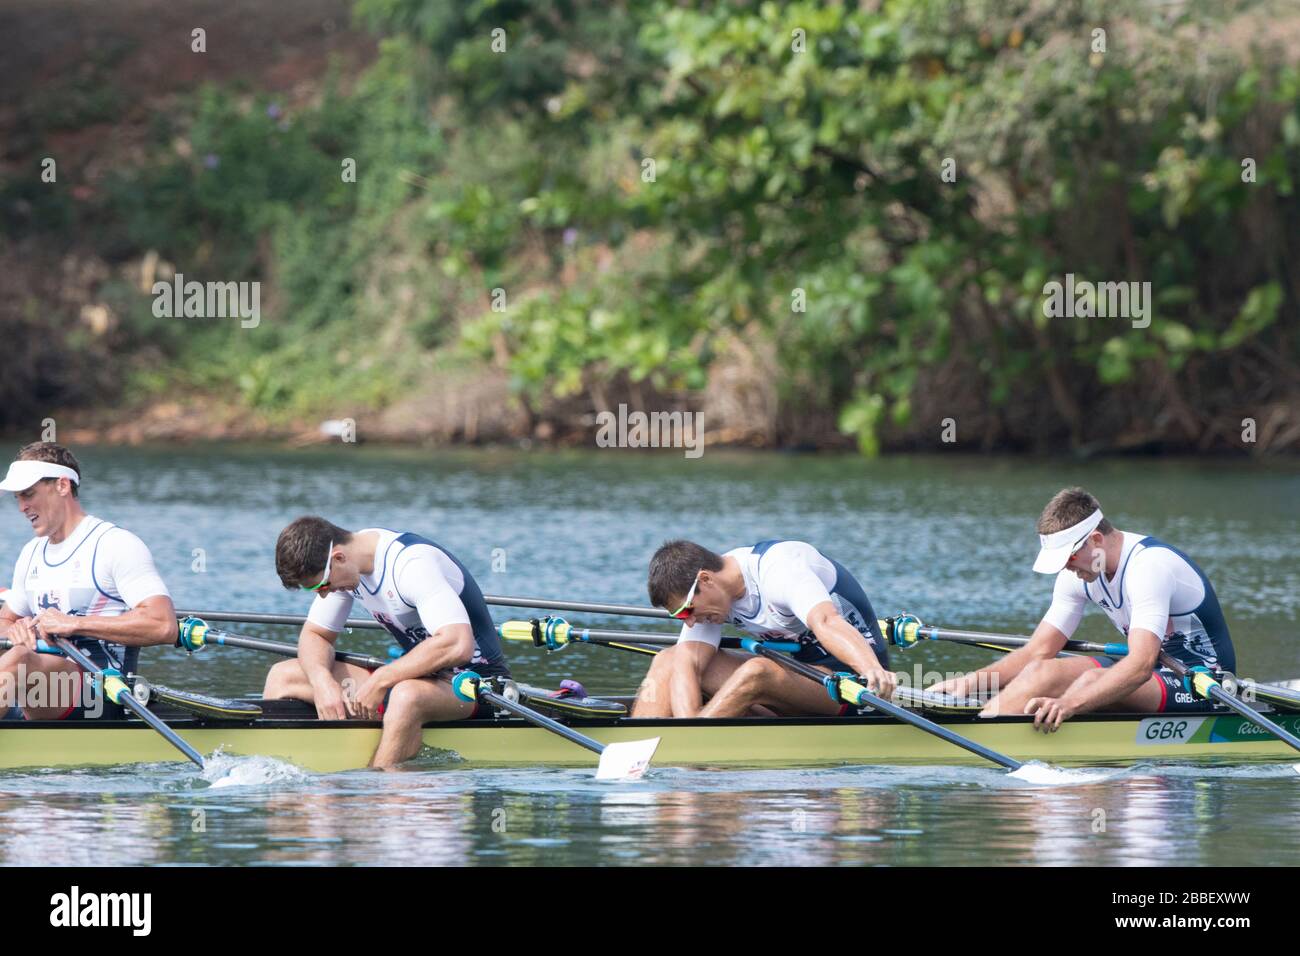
{"x":413,"y":634}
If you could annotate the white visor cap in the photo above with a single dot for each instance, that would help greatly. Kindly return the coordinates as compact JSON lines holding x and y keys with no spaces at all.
{"x":23,"y":474}
{"x":1055,"y":549}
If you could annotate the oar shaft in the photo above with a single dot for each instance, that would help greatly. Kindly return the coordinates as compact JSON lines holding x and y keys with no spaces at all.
{"x":557,"y":631}
{"x":250,"y":617}
{"x":928,"y":633}
{"x":653,"y":639}
{"x":154,"y":721}
{"x":1207,"y":686}
{"x":893,"y":710}
{"x":647,"y":649}
{"x":585,"y":607}
{"x":541,"y":720}
{"x":123,"y":698}
{"x":626,"y":610}
{"x":649,"y":638}
{"x":226,"y":639}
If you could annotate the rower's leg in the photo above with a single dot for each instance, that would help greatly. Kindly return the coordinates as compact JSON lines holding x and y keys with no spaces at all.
{"x":8,"y":679}
{"x":1049,"y":678}
{"x":1145,"y":700}
{"x":652,"y":698}
{"x":288,"y":680}
{"x":758,"y":681}
{"x":52,"y":683}
{"x":412,"y":703}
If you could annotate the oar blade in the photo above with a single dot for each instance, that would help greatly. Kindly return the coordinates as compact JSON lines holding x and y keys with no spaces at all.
{"x":626,"y":761}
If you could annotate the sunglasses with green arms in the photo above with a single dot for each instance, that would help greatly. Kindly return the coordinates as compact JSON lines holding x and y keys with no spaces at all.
{"x":325,"y":579}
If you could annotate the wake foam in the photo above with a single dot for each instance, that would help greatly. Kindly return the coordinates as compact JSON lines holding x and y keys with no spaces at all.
{"x":228,"y":770}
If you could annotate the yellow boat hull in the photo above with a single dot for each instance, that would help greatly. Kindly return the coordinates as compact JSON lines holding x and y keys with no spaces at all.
{"x":333,"y":746}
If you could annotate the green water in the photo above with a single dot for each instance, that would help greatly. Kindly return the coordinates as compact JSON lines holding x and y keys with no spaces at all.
{"x":948,"y":538}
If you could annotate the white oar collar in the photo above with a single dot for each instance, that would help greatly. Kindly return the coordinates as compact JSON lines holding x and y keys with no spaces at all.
{"x":23,"y":474}
{"x":1056,"y":548}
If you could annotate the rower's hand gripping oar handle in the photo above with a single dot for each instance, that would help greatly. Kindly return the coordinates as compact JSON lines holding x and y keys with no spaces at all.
{"x":109,"y":680}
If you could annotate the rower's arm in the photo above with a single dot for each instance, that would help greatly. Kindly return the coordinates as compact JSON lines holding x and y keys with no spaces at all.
{"x":1121,"y":679}
{"x":451,"y":646}
{"x":1069,"y":600}
{"x":690,"y":660}
{"x":841,"y":638}
{"x":443,"y":616}
{"x":7,"y":618}
{"x":123,"y":565}
{"x":316,"y":655}
{"x":152,"y":621}
{"x":1151,"y":586}
{"x":1045,"y":643}
{"x":16,"y":627}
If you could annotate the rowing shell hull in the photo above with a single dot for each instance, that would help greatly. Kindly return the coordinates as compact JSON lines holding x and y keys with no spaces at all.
{"x":327,"y":746}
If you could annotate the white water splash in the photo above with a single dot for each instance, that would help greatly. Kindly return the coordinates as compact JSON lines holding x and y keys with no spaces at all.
{"x":1045,"y":775}
{"x":227,"y":770}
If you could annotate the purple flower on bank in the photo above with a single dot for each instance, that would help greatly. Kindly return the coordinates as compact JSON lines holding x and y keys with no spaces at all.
{"x":570,"y":236}
{"x":273,"y":111}
{"x":212,"y":161}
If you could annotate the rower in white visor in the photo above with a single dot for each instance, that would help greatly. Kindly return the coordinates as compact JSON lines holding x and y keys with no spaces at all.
{"x":1154,"y":594}
{"x":80,"y":577}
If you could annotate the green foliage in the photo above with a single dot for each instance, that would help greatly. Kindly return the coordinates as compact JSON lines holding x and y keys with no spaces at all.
{"x":818,"y":167}
{"x":245,"y":166}
{"x":254,"y":178}
{"x":1259,"y":311}
{"x":647,"y":180}
{"x":861,"y":418}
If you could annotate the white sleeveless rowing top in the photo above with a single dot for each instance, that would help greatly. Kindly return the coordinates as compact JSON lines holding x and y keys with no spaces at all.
{"x":1158,"y":589}
{"x":98,"y":570}
{"x":784,"y":581}
{"x":416,"y":588}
